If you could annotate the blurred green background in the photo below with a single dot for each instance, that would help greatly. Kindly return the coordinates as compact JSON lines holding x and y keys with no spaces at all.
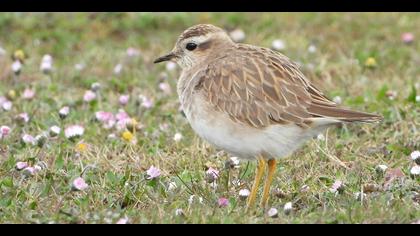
{"x":359,"y":57}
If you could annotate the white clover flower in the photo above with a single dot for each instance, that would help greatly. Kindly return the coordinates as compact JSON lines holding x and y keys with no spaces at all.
{"x":46,"y":63}
{"x":359,"y":196}
{"x":145,"y":102}
{"x":165,"y":88}
{"x":415,"y":170}
{"x":29,"y":171}
{"x":123,"y":99}
{"x":95,"y":87}
{"x":112,"y":136}
{"x":337,"y":99}
{"x":133,"y":52}
{"x":2,"y":52}
{"x":244,"y":194}
{"x":191,"y":199}
{"x":381,"y":168}
{"x":273,"y":212}
{"x":171,"y":66}
{"x":4,"y":131}
{"x":407,"y":37}
{"x":236,"y":183}
{"x":37,"y":168}
{"x":305,"y":188}
{"x":153,"y":173}
{"x":213,"y":185}
{"x":415,"y":155}
{"x":179,"y":212}
{"x":23,"y":118}
{"x":338,"y":186}
{"x":89,"y":96}
{"x":278,"y":45}
{"x":74,"y":131}
{"x":288,"y":207}
{"x":28,"y":139}
{"x":21,"y":165}
{"x":79,"y":184}
{"x":16,"y":67}
{"x":172,"y":186}
{"x":178,"y":137}
{"x":7,"y":105}
{"x":28,"y":94}
{"x":47,"y":58}
{"x":79,"y":66}
{"x":233,"y":162}
{"x":163,"y":126}
{"x":122,"y":221}
{"x":64,"y":112}
{"x":40,"y":139}
{"x":54,"y":131}
{"x":106,"y":118}
{"x":237,"y":35}
{"x":223,"y":202}
{"x":312,"y":48}
{"x":212,"y":174}
{"x":118,"y":68}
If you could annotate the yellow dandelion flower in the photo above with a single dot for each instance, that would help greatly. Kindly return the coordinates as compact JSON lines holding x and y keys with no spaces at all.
{"x":11,"y":95}
{"x":19,"y":55}
{"x":370,"y":62}
{"x":81,"y":147}
{"x":127,"y":136}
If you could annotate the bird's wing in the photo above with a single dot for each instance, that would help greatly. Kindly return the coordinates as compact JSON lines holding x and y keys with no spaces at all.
{"x":260,"y":87}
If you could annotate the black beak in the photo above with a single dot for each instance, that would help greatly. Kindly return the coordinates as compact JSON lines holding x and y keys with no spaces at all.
{"x":165,"y":58}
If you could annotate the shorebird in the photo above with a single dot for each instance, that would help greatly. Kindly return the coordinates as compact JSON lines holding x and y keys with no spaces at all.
{"x":250,"y":101}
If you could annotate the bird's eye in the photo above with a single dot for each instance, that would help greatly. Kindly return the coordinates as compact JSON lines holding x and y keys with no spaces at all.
{"x":191,"y":46}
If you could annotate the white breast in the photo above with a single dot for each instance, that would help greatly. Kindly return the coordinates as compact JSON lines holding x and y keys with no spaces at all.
{"x":246,"y":142}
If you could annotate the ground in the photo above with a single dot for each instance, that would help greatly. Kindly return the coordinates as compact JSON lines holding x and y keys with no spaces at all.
{"x":358,"y":58}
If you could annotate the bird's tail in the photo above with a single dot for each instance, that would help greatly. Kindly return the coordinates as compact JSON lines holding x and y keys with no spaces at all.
{"x":342,"y":114}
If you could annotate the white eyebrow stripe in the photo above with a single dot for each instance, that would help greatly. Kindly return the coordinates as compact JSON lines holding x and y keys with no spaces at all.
{"x":196,"y":39}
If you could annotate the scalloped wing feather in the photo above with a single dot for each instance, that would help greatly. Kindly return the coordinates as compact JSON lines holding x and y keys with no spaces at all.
{"x":260,"y":87}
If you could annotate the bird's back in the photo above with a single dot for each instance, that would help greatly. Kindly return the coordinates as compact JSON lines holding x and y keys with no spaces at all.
{"x":261,"y":87}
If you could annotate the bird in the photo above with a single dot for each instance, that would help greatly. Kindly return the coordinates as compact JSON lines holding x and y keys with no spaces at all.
{"x":251,"y":101}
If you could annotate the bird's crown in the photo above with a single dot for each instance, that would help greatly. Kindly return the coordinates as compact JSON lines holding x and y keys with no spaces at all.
{"x":199,"y":30}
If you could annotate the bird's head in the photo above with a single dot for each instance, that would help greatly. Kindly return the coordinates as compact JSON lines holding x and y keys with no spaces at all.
{"x":196,"y":44}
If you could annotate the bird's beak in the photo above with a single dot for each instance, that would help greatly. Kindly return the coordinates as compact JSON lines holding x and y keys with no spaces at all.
{"x":165,"y":58}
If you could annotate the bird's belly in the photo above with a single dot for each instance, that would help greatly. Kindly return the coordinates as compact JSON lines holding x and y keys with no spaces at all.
{"x":241,"y":140}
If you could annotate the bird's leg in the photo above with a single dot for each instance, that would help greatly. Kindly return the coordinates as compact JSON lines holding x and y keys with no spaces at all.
{"x":269,"y":180}
{"x":258,"y":175}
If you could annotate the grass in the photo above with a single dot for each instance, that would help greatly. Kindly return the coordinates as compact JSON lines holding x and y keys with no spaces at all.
{"x":115,"y":169}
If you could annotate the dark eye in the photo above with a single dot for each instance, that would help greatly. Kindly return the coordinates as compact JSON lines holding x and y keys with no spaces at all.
{"x":191,"y":46}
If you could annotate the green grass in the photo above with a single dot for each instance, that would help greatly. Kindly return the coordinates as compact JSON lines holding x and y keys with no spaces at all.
{"x":116,"y":177}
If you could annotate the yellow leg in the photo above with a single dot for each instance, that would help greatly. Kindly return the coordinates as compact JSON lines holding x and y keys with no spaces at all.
{"x":258,"y":175}
{"x":267,"y":185}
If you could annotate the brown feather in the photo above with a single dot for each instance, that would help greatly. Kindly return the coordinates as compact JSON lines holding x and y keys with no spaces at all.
{"x":260,"y":87}
{"x":342,"y":114}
